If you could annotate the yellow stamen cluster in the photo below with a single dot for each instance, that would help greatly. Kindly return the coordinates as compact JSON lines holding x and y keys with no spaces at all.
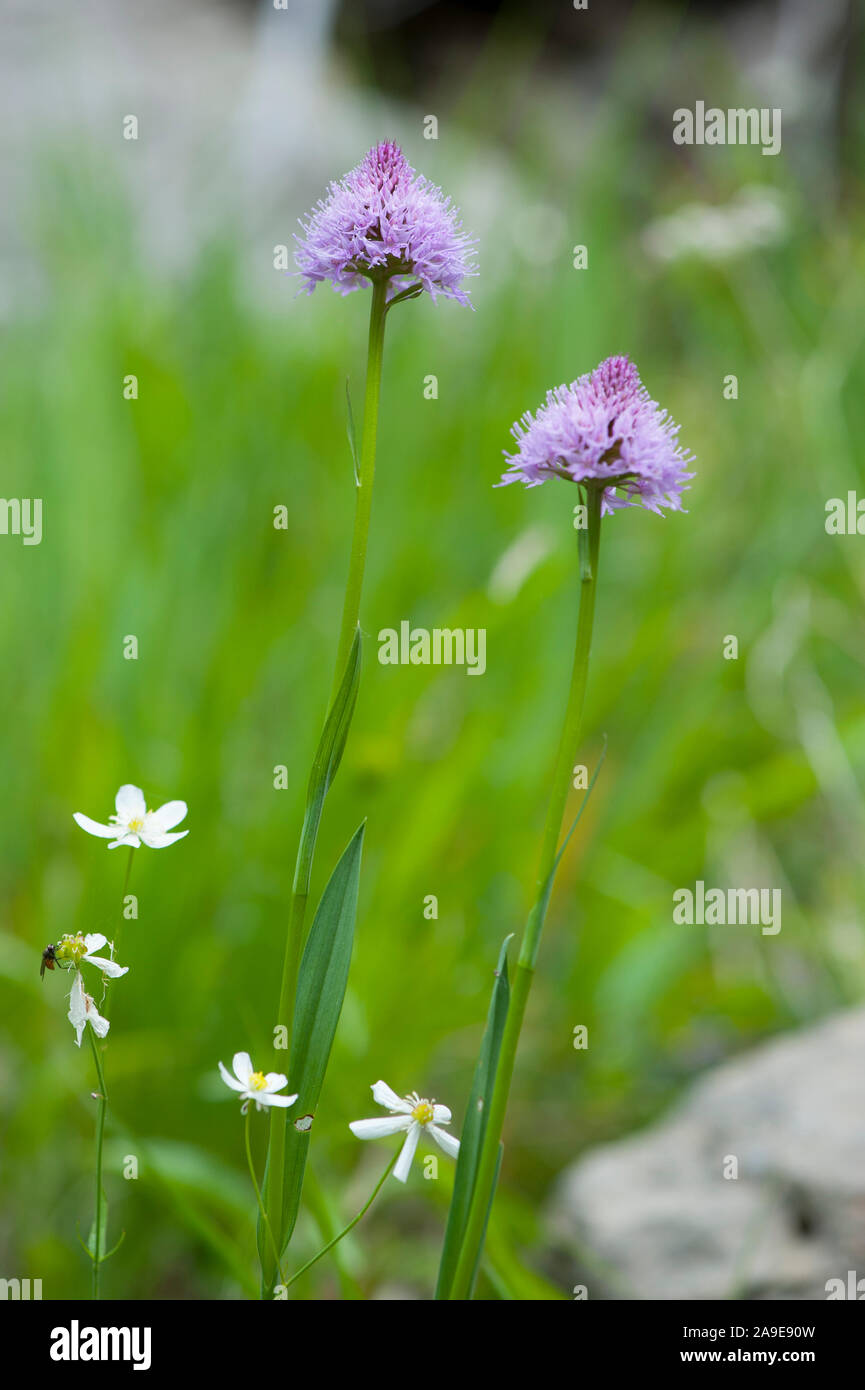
{"x":422,"y":1112}
{"x":71,"y":948}
{"x":257,"y":1081}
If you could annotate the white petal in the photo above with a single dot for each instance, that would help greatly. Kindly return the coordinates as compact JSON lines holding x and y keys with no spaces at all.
{"x":108,"y":967}
{"x":441,"y":1115}
{"x":106,"y":832}
{"x":229,"y":1079}
{"x":403,"y":1163}
{"x":169,"y":815}
{"x":275,"y":1080}
{"x":444,"y":1140}
{"x":383,"y":1095}
{"x":242,"y":1064}
{"x":160,"y":841}
{"x":94,"y":941}
{"x":268,"y":1098}
{"x":99,"y":1024}
{"x":77,"y":1012}
{"x":380,"y":1128}
{"x":130,"y":839}
{"x":129,"y":803}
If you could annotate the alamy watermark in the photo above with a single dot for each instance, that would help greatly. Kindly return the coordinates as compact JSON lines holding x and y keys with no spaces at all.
{"x":20,"y":1290}
{"x":418,"y":646}
{"x":75,"y":1343}
{"x":735,"y":126}
{"x":719,"y":907}
{"x":21,"y":516}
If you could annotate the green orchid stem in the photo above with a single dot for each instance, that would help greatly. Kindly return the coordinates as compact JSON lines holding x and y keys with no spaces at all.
{"x":524,"y":973}
{"x":100,"y":1134}
{"x":258,"y":1198}
{"x":365,"y":479}
{"x":351,"y":1225}
{"x":350,"y":617}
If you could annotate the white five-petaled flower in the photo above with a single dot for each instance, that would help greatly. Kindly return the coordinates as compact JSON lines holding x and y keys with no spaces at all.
{"x":79,"y":948}
{"x":134,"y":825}
{"x":83,"y":1010}
{"x":411,"y":1116}
{"x":255,"y":1085}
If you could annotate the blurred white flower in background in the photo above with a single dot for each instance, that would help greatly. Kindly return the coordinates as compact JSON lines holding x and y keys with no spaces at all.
{"x":756,"y":217}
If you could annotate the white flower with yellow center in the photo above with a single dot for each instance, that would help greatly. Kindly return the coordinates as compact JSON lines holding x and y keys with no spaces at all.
{"x":134,"y":825}
{"x":411,"y":1116}
{"x":255,"y":1085}
{"x":75,"y":949}
{"x":83,"y":1010}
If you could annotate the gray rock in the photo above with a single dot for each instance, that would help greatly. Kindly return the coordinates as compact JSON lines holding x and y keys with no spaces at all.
{"x":654,"y":1216}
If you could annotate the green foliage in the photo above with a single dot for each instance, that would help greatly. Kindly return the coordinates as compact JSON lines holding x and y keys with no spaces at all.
{"x":320,"y":994}
{"x":158,"y":522}
{"x":474,"y":1125}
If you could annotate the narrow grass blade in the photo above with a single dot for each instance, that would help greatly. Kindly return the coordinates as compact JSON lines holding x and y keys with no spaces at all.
{"x":474,"y":1125}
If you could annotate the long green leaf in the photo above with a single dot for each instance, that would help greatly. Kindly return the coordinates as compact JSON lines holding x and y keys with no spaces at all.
{"x":490,"y":1199}
{"x":328,"y":756}
{"x":320,"y":993}
{"x":474,"y":1125}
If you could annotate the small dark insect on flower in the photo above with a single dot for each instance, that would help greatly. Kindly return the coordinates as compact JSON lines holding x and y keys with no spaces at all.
{"x":50,"y":959}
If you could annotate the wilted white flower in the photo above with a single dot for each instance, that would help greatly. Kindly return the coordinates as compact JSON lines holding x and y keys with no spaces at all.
{"x":134,"y":825}
{"x":255,"y":1085}
{"x":83,"y":1010}
{"x":411,"y":1116}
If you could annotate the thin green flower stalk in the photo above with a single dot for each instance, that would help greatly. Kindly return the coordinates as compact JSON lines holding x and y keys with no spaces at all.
{"x":414,"y":1119}
{"x":95,"y":1253}
{"x":346,"y":1229}
{"x":131,"y":825}
{"x":99,"y":1234}
{"x":604,"y":433}
{"x":525,"y":969}
{"x":348,"y":626}
{"x":261,"y":1208}
{"x":385,"y":228}
{"x":69,"y":955}
{"x":295,"y":935}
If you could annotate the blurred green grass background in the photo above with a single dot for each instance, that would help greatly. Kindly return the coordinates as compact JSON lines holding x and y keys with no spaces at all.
{"x":158,"y":523}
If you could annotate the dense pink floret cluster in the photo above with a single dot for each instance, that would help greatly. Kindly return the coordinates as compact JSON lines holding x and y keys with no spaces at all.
{"x":384,"y":220}
{"x":604,"y":425}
